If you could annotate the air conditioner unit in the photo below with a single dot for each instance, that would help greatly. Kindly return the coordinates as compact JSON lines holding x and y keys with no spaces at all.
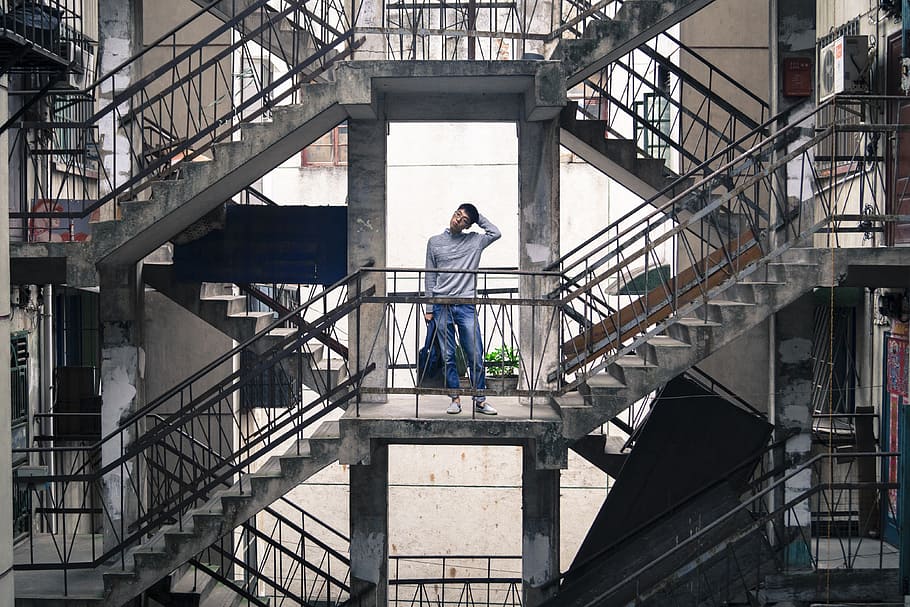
{"x":82,"y":67}
{"x":843,"y":67}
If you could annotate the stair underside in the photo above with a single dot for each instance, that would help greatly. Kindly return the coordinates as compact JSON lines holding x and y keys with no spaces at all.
{"x":691,"y":340}
{"x":645,"y":185}
{"x":636,"y":22}
{"x":170,"y":548}
{"x":532,"y":89}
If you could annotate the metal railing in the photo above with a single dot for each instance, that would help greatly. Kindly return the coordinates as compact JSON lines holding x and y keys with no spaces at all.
{"x":646,"y":97}
{"x":187,"y":431}
{"x":172,"y":115}
{"x":453,"y":579}
{"x":49,"y":27}
{"x":497,"y":307}
{"x":722,"y":556}
{"x":179,"y":109}
{"x":174,"y":453}
{"x":711,"y":235}
{"x":285,"y":556}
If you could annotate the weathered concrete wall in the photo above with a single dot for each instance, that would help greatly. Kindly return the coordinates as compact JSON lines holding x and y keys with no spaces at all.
{"x":177,"y":344}
{"x":367,"y":217}
{"x":7,"y":596}
{"x":743,"y":366}
{"x":459,"y":500}
{"x":793,"y":385}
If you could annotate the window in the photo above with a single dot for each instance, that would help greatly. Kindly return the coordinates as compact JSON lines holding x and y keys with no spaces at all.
{"x":329,"y":150}
{"x":77,"y":331}
{"x":74,"y":146}
{"x":655,"y":141}
{"x":19,"y":427}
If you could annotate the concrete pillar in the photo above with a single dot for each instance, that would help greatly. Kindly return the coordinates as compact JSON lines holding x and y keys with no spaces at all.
{"x":368,"y":333}
{"x":538,"y":233}
{"x":538,"y":17}
{"x":119,"y":38}
{"x":7,"y":596}
{"x":369,"y":516}
{"x":793,"y":381}
{"x":368,"y":13}
{"x":122,"y":361}
{"x":539,"y":530}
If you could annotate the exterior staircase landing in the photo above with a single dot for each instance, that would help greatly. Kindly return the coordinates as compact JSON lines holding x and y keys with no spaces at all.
{"x":175,"y":545}
{"x":404,"y":419}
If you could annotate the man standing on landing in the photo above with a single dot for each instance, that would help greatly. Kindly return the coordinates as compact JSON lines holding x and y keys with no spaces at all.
{"x":457,"y":249}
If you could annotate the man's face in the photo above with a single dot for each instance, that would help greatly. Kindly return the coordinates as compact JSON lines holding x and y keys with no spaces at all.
{"x":459,"y":222}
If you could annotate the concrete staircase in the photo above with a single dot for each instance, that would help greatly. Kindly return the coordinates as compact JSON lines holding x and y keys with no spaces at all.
{"x":618,"y":158}
{"x":284,"y":39}
{"x":173,"y":546}
{"x":732,"y":309}
{"x":227,"y":312}
{"x":605,"y":41}
{"x":202,"y":186}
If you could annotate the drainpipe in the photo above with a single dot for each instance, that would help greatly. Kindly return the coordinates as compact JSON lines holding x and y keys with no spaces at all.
{"x":46,"y":363}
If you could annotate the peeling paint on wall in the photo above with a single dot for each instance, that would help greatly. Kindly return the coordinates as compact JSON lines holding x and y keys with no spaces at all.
{"x":794,"y":351}
{"x":373,"y":548}
{"x":537,"y":551}
{"x":119,"y":368}
{"x":798,"y":485}
{"x":537,"y":253}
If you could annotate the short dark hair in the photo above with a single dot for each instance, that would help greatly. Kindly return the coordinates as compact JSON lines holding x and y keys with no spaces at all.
{"x":471,"y":211}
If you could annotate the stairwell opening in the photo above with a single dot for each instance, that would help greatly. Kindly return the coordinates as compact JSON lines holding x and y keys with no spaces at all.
{"x":454,"y":513}
{"x":433,"y":167}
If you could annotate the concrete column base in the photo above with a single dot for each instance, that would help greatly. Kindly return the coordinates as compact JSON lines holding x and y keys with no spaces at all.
{"x":369,"y":515}
{"x":540,"y":531}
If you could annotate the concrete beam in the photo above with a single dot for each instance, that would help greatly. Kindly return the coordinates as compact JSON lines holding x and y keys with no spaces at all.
{"x":397,"y":423}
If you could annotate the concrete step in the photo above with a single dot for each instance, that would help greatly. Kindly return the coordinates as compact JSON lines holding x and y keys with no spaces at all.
{"x":176,"y":204}
{"x":618,"y":159}
{"x":732,"y":311}
{"x":603,"y":451}
{"x":279,"y":39}
{"x":175,"y":545}
{"x":636,"y":22}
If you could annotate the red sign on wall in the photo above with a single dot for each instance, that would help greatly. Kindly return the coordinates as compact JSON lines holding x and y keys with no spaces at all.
{"x":797,"y":77}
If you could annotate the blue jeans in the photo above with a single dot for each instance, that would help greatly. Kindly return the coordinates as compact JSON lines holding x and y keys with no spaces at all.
{"x":463,"y":316}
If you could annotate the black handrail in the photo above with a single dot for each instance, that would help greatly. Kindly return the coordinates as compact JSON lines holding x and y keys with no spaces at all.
{"x":695,"y":171}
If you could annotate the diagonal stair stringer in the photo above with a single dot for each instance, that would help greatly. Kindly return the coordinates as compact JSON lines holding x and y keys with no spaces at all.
{"x":177,"y":544}
{"x":203,"y":186}
{"x":635,"y":23}
{"x":228,"y":314}
{"x":733,"y":308}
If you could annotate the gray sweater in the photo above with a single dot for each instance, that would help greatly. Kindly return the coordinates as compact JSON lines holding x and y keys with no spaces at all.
{"x":460,"y":252}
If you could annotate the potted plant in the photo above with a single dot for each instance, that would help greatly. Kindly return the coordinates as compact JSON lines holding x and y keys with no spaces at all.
{"x":502,"y":369}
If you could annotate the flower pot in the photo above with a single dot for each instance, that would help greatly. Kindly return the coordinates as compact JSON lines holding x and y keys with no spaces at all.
{"x":497,"y":384}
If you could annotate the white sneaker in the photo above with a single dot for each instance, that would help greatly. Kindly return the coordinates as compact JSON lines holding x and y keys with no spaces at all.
{"x":454,"y":408}
{"x":482,"y":407}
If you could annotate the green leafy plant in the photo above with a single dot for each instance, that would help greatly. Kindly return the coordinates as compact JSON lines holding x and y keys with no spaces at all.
{"x":502,"y":362}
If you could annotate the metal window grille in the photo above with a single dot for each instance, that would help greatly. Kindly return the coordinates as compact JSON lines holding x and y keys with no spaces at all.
{"x":19,"y":428}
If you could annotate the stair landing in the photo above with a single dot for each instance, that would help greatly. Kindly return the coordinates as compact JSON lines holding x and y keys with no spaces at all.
{"x":406,"y":419}
{"x":81,"y":587}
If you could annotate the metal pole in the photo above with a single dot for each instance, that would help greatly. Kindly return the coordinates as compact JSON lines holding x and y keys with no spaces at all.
{"x":903,"y":496}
